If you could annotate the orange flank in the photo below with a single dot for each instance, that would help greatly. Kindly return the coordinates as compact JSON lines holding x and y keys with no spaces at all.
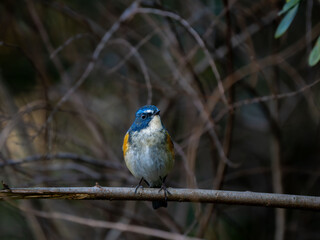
{"x":125,"y":144}
{"x":170,"y":145}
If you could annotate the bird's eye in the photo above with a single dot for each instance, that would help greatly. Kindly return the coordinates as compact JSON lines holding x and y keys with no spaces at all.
{"x":143,"y":116}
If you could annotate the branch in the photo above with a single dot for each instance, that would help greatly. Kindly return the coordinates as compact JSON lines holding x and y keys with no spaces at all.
{"x":245,"y":102}
{"x":127,"y":14}
{"x":178,"y":195}
{"x":197,"y":38}
{"x":62,"y":156}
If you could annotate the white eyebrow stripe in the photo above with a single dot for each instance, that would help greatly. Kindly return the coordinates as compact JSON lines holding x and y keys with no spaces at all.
{"x":148,"y":111}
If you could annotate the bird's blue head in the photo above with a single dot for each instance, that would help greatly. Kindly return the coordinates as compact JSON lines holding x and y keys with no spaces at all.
{"x":143,"y":116}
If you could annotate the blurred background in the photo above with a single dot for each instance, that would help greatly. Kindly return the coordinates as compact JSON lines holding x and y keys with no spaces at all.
{"x":225,"y":87}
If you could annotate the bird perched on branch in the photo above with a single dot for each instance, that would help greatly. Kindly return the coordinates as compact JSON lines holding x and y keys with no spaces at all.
{"x":148,"y":151}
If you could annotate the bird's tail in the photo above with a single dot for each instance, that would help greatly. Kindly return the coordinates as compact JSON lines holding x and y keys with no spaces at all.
{"x":159,"y":203}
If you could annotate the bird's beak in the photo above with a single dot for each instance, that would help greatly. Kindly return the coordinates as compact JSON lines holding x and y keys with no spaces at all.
{"x":157,"y":112}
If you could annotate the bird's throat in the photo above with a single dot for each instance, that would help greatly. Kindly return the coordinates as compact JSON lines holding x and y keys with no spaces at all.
{"x":154,"y":125}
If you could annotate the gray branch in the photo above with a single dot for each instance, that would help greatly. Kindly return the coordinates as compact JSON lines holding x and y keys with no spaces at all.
{"x":61,"y":156}
{"x":178,"y":195}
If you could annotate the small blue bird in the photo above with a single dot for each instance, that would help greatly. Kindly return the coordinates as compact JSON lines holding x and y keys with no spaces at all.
{"x":148,"y":150}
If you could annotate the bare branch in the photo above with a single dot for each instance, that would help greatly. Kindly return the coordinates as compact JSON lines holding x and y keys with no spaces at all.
{"x":62,"y":155}
{"x":127,"y":14}
{"x":198,"y":39}
{"x":245,"y":102}
{"x":111,"y":225}
{"x":143,"y":66}
{"x":68,"y":42}
{"x":178,"y":195}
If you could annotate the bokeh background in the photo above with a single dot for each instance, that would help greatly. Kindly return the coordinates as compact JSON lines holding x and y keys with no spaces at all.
{"x":174,"y":61}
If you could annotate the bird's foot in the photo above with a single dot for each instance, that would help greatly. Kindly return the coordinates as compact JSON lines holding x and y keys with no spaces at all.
{"x":138,"y":186}
{"x":165,"y":190}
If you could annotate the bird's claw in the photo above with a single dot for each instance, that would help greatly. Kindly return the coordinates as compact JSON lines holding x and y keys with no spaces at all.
{"x":165,"y":190}
{"x":137,"y":187}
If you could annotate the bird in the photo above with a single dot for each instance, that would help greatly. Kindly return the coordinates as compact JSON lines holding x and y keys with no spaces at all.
{"x":148,"y":151}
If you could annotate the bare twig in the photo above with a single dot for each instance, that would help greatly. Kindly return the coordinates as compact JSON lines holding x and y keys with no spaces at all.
{"x":110,"y":225}
{"x":143,"y":66}
{"x":275,"y":155}
{"x":204,"y":114}
{"x":133,"y":51}
{"x":62,"y":155}
{"x":127,"y":14}
{"x":67,"y":42}
{"x":198,"y":39}
{"x":227,"y":143}
{"x":265,"y":99}
{"x":179,"y":195}
{"x":28,"y":108}
{"x":82,"y":20}
{"x":270,"y":60}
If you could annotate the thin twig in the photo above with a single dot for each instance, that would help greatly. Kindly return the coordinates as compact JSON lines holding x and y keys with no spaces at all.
{"x":63,"y":156}
{"x":204,"y":114}
{"x":178,"y":195}
{"x":265,"y":99}
{"x":270,"y":60}
{"x":134,"y":51}
{"x":198,"y":39}
{"x":28,"y":108}
{"x":229,"y":129}
{"x":127,"y":14}
{"x":110,"y":225}
{"x":68,"y":42}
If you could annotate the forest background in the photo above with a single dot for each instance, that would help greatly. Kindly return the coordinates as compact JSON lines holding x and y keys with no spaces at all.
{"x":237,"y":86}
